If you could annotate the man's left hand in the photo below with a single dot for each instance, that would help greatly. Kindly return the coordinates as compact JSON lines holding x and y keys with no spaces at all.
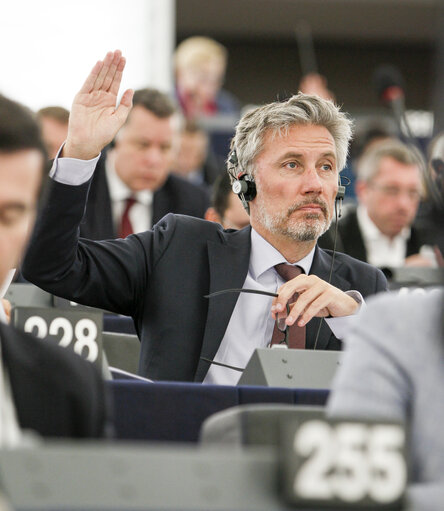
{"x":316,"y":298}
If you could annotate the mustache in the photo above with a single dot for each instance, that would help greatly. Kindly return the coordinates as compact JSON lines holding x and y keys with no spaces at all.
{"x":315,"y":200}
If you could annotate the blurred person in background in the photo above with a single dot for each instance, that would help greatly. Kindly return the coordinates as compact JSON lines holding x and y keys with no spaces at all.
{"x":379,"y":230}
{"x":200,"y":64}
{"x":226,"y":208}
{"x":53,"y":122}
{"x":430,"y":218}
{"x":43,"y":387}
{"x":133,"y":187}
{"x":393,"y":369}
{"x":194,"y":159}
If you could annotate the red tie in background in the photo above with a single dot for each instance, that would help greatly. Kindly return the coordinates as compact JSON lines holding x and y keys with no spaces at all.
{"x":296,"y":334}
{"x":125,"y":225}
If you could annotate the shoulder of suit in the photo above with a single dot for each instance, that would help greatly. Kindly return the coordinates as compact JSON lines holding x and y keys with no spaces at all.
{"x":182,"y":184}
{"x":350,"y":261}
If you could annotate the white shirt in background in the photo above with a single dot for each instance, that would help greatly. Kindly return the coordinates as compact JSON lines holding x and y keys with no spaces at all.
{"x":382,"y":251}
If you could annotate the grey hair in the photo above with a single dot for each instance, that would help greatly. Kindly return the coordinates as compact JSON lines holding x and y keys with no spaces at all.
{"x":369,"y":162}
{"x":278,"y":117}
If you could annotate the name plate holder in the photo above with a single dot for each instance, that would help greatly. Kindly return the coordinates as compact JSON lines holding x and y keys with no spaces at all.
{"x":304,"y":369}
{"x":342,"y":464}
{"x":77,"y":330}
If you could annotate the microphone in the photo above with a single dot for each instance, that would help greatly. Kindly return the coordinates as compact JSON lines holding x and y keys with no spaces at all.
{"x":209,"y":361}
{"x":389,"y":86}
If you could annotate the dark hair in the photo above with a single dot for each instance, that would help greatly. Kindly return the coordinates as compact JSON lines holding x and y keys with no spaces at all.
{"x":155,"y":101}
{"x":221,"y":194}
{"x":58,"y":113}
{"x":19,"y":129}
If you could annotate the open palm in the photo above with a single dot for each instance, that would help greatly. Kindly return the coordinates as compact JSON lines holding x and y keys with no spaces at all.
{"x":94,"y":118}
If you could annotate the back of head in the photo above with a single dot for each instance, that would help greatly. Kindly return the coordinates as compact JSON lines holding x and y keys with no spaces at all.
{"x":154,"y":101}
{"x":221,"y":194}
{"x":278,"y":117}
{"x":368,"y":164}
{"x":194,"y":51}
{"x":18,"y":128}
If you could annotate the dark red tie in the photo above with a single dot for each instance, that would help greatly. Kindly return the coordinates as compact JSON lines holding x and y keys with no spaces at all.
{"x":296,"y":334}
{"x":126,"y":227}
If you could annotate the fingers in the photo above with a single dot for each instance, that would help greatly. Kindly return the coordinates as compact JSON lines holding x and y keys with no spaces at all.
{"x":316,"y":298}
{"x":107,"y":63}
{"x":92,"y":77}
{"x":110,"y":75}
{"x":115,"y":84}
{"x":124,"y":107}
{"x":106,"y":75}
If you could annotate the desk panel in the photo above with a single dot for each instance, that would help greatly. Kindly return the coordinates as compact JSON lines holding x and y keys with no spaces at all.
{"x":174,"y":412}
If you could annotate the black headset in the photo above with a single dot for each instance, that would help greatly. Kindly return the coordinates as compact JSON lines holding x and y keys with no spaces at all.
{"x":244,"y":186}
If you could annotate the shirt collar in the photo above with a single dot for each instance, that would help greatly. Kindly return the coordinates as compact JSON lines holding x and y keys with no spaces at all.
{"x":369,"y":230}
{"x":117,"y":188}
{"x":264,"y":256}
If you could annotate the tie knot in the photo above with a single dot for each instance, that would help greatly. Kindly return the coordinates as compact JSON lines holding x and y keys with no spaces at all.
{"x":288,"y":271}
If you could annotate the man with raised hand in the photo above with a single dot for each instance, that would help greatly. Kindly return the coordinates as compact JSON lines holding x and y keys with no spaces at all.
{"x":289,"y":156}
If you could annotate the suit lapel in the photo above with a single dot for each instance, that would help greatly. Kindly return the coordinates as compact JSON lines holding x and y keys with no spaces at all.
{"x":228,"y":263}
{"x":351,"y":236}
{"x":321,"y":268}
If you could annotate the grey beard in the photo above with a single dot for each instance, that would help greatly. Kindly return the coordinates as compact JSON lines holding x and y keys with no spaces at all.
{"x":303,"y":230}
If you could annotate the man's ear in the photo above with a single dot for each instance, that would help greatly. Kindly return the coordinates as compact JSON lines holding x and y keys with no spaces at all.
{"x":213,"y":216}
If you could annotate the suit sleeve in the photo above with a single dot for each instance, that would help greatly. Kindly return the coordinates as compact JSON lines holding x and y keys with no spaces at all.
{"x":111,"y":274}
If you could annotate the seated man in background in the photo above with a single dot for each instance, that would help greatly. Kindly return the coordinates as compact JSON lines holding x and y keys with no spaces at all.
{"x":429,"y":220}
{"x":43,"y":387}
{"x":53,"y":122}
{"x":226,"y":207}
{"x":133,"y":187}
{"x":379,"y":231}
{"x":200,"y":64}
{"x":285,"y":159}
{"x":194,"y":160}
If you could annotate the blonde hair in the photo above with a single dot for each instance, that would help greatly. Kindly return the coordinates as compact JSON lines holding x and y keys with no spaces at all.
{"x":194,"y":51}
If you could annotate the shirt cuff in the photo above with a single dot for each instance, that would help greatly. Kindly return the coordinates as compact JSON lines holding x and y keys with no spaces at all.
{"x":70,"y":171}
{"x":340,"y":326}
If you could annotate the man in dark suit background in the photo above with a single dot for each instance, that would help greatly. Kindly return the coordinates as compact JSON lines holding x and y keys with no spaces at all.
{"x":42,"y":387}
{"x":133,"y":187}
{"x":379,"y":230}
{"x":287,"y":158}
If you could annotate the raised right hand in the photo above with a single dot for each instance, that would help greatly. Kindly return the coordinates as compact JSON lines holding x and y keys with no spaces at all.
{"x":94,"y":118}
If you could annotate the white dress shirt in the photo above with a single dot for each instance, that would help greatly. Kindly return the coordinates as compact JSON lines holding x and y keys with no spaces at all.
{"x":10,"y":433}
{"x":382,"y":251}
{"x":251,"y":324}
{"x":141,"y":213}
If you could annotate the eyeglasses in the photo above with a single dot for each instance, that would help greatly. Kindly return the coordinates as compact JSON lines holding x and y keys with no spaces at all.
{"x":280,"y":322}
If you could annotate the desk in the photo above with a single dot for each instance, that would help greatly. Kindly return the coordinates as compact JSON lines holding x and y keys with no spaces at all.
{"x":174,"y":412}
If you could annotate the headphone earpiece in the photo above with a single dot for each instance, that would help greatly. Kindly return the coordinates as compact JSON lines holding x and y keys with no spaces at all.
{"x":243,"y":185}
{"x":341,"y":190}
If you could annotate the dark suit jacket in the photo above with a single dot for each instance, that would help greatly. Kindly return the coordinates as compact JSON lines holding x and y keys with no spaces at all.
{"x":176,"y":196}
{"x":351,"y":242}
{"x":161,"y":277}
{"x":55,"y":392}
